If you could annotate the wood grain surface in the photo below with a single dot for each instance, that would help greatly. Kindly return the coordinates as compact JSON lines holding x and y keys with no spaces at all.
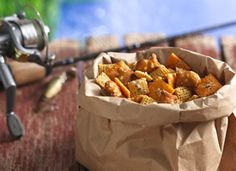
{"x":48,"y":144}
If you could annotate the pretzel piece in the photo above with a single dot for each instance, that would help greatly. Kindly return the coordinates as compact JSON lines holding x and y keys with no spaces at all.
{"x":187,"y":78}
{"x":112,"y":88}
{"x":147,"y":65}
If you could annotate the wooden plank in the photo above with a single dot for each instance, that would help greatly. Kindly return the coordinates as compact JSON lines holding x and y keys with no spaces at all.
{"x":228,"y":45}
{"x":132,"y":38}
{"x":100,"y":43}
{"x":65,"y":48}
{"x":49,"y":140}
{"x":202,"y":44}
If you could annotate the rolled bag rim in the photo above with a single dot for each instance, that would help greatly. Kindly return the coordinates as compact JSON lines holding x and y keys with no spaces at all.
{"x":124,"y":110}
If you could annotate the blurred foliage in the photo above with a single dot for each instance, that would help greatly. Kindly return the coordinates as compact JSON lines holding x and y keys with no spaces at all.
{"x":49,"y":10}
{"x":83,"y":1}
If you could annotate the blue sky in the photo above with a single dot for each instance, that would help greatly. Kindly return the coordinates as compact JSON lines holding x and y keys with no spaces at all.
{"x":80,"y":19}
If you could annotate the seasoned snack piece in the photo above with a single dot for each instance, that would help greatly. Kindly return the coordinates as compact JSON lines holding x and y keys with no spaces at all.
{"x":143,"y":99}
{"x":161,"y":71}
{"x":153,"y":62}
{"x":147,"y":100}
{"x":141,"y":74}
{"x":123,"y":65}
{"x":162,"y":96}
{"x":171,"y":79}
{"x":175,"y":62}
{"x":171,"y":70}
{"x":208,"y":86}
{"x":138,"y":87}
{"x":159,"y":83}
{"x":112,"y":88}
{"x":132,"y":66}
{"x":137,"y":98}
{"x":193,"y":97}
{"x":102,"y":79}
{"x":120,"y":70}
{"x":104,"y":67}
{"x":148,"y":65}
{"x":187,"y":78}
{"x":125,"y":76}
{"x":123,"y":88}
{"x":183,"y":93}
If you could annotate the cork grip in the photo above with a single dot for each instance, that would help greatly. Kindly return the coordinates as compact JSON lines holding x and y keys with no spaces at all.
{"x":25,"y":73}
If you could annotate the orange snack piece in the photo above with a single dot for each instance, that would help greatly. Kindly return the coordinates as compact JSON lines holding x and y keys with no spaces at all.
{"x":208,"y":86}
{"x":112,"y":88}
{"x":123,"y":88}
{"x":159,"y":83}
{"x":123,"y":65}
{"x":120,"y":70}
{"x":175,"y":62}
{"x":187,"y":78}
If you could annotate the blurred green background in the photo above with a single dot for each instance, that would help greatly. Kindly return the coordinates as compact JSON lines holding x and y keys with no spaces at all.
{"x":49,"y":10}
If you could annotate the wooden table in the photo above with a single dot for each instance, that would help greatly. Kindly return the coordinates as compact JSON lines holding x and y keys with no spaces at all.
{"x":48,"y":144}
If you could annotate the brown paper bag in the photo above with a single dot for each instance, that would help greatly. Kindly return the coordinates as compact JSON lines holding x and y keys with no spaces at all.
{"x":115,"y":134}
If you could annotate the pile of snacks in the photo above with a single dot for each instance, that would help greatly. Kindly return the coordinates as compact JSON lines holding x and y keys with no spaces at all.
{"x":148,"y":81}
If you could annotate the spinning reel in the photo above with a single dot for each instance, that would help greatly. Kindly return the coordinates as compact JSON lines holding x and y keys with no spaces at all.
{"x":21,"y":39}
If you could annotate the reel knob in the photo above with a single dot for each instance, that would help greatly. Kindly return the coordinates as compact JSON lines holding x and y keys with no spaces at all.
{"x":15,"y":126}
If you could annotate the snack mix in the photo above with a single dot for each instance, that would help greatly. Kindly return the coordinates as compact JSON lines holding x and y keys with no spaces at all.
{"x":148,"y":81}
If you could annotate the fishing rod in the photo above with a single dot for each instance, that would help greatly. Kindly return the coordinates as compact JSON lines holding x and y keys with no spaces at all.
{"x":128,"y":48}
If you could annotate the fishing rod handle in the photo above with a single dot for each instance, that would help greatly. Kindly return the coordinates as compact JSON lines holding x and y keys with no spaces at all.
{"x":25,"y":73}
